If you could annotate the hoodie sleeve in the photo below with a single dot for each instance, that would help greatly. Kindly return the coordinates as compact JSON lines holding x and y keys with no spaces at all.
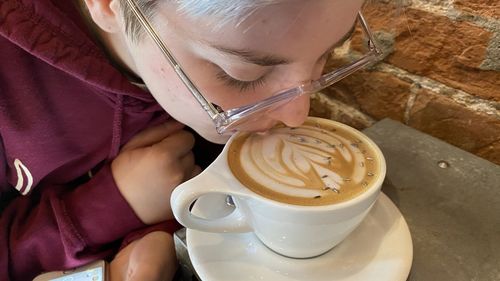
{"x":56,"y":228}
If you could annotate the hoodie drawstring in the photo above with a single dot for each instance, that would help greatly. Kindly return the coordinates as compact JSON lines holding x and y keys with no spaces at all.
{"x":117,"y":128}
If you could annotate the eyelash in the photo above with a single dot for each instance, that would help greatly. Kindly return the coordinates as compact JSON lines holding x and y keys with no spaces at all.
{"x":243,"y":86}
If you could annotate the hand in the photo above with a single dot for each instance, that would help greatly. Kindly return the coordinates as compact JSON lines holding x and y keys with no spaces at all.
{"x":150,"y":258}
{"x":151,"y":165}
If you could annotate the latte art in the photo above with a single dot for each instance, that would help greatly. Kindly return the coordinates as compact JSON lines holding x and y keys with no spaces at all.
{"x":314,"y":164}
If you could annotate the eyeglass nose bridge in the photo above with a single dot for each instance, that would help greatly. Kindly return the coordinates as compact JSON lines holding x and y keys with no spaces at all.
{"x":226,"y":121}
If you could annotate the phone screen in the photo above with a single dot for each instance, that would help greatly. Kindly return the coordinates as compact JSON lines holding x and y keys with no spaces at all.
{"x":94,"y":274}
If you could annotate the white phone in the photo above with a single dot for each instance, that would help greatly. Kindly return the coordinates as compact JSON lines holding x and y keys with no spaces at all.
{"x":95,"y":271}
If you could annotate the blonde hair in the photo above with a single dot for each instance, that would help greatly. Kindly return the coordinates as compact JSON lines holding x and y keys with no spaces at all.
{"x":224,"y":11}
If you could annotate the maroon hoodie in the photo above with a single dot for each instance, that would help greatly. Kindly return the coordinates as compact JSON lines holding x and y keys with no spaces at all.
{"x":64,"y":113}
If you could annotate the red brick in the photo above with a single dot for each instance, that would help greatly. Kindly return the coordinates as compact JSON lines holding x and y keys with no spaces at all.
{"x":377,"y":94}
{"x":485,"y":8}
{"x":442,"y":118}
{"x":439,"y":48}
{"x":491,"y":152}
{"x":324,"y":109}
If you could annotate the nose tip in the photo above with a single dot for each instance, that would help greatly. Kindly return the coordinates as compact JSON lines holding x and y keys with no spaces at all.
{"x":294,"y":113}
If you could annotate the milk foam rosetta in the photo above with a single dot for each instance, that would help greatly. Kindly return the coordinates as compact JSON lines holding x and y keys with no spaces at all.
{"x":315,"y":164}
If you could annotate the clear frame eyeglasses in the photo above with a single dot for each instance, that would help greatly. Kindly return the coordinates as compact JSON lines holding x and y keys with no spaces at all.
{"x":234,"y":119}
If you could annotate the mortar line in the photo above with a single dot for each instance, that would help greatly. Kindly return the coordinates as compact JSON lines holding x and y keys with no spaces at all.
{"x":460,"y":97}
{"x":353,"y":112}
{"x":447,"y":9}
{"x":410,"y":102}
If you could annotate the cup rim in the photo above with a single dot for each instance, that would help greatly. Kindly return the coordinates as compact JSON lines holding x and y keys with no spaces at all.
{"x":340,"y":205}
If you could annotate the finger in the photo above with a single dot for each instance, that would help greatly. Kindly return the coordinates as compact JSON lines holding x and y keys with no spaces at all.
{"x":196,"y":171}
{"x":153,"y":258}
{"x":153,"y":135}
{"x":118,"y":267}
{"x":175,"y":145}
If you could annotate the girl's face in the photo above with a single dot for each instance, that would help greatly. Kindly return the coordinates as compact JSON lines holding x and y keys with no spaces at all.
{"x":275,"y":48}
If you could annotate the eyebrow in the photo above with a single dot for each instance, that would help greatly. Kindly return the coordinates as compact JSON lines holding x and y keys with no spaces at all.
{"x":254,"y":57}
{"x":272,"y":60}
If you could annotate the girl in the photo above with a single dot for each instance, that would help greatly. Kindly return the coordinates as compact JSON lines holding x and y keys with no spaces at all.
{"x":98,"y":128}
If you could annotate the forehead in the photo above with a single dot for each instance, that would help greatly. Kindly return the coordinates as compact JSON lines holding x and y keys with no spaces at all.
{"x":288,"y":28}
{"x":298,"y":19}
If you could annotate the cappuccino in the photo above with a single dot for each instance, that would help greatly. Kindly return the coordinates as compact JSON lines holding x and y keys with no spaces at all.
{"x":319,"y":163}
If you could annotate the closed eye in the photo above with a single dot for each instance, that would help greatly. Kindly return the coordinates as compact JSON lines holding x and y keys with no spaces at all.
{"x":242,"y":86}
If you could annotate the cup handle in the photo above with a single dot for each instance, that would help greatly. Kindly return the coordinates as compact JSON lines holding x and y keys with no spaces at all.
{"x":187,"y":193}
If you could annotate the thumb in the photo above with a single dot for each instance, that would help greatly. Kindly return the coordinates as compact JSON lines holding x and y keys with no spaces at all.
{"x":153,"y":135}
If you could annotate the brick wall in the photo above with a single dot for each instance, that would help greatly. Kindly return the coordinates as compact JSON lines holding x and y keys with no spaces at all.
{"x":440,"y":74}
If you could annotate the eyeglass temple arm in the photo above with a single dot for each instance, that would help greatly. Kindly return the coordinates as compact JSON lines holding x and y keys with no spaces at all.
{"x":372,"y":44}
{"x":340,"y":74}
{"x":209,"y":108}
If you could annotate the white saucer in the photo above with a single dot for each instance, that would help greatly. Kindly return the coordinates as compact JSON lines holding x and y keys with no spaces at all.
{"x":379,"y":249}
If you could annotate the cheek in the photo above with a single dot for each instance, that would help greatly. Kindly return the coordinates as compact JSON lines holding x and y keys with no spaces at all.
{"x":204,"y":75}
{"x":173,"y":96}
{"x":161,"y":79}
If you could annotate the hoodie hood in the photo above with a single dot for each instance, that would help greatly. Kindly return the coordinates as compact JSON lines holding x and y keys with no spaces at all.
{"x":55,"y":32}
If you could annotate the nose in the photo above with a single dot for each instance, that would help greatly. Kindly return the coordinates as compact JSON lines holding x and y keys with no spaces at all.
{"x":293,"y":113}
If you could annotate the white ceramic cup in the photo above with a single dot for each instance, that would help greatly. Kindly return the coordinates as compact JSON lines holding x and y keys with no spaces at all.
{"x":290,"y":230}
